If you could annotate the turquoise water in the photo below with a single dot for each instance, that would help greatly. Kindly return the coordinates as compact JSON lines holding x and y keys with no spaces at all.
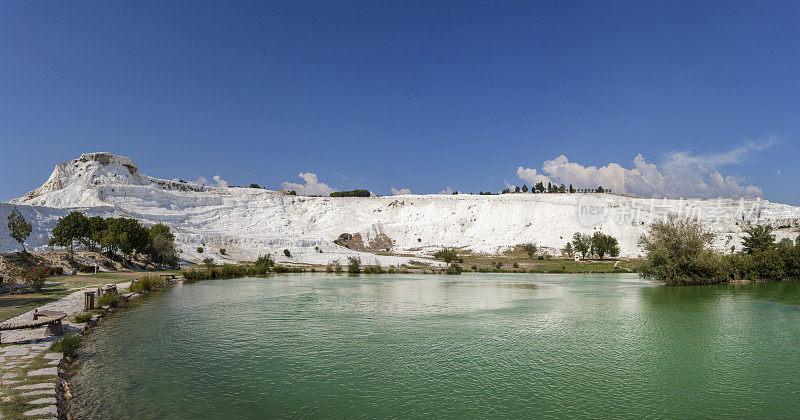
{"x":475,"y":345}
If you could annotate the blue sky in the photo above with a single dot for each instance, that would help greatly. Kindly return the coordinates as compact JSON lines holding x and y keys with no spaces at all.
{"x":420,"y":95}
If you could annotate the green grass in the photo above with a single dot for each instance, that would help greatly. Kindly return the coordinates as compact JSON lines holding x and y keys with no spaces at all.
{"x":12,"y":405}
{"x":83,"y":317}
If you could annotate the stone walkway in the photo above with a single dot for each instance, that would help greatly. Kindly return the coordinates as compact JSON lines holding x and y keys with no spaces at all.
{"x":28,"y":372}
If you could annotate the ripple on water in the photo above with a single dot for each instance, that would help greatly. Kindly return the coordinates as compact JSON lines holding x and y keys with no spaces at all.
{"x":423,"y":346}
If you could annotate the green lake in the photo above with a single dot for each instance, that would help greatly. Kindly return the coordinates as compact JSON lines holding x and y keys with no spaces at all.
{"x":425,"y":346}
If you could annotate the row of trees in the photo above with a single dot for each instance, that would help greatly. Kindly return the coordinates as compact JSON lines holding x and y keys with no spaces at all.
{"x":116,"y":236}
{"x":551,"y":188}
{"x":679,"y":251}
{"x":599,"y":244}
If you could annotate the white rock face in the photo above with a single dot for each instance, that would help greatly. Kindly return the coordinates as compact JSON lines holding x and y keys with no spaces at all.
{"x":247,"y":222}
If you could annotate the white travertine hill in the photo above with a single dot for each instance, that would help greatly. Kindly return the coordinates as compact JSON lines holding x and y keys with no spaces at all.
{"x":248,"y":222}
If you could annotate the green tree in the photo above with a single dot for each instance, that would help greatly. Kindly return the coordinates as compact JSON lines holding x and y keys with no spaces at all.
{"x":600,"y":189}
{"x":757,"y":239}
{"x":539,"y":187}
{"x":254,"y":185}
{"x":353,"y":265}
{"x":571,"y":190}
{"x":287,"y":253}
{"x":97,"y":228}
{"x":72,"y":227}
{"x":447,"y":255}
{"x":568,"y":250}
{"x":19,"y":228}
{"x":582,"y":243}
{"x":516,"y":189}
{"x":162,"y":245}
{"x":530,"y":249}
{"x":602,"y":244}
{"x":678,"y":251}
{"x":785,"y":243}
{"x":524,"y":188}
{"x":549,"y":187}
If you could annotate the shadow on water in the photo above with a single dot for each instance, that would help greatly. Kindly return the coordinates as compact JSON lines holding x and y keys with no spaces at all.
{"x":787,"y":292}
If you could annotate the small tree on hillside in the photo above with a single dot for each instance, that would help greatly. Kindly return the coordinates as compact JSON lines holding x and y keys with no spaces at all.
{"x":571,"y":190}
{"x":447,"y":255}
{"x":530,"y":249}
{"x":757,"y":239}
{"x":353,"y":265}
{"x":19,"y":227}
{"x":524,"y":188}
{"x":582,"y":243}
{"x":602,"y":244}
{"x":568,"y":250}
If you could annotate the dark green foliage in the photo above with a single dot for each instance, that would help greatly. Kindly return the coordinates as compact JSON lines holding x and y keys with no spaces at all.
{"x":757,"y":239}
{"x":530,"y":249}
{"x":571,"y":190}
{"x":111,"y":300}
{"x":352,"y":193}
{"x":600,"y":189}
{"x":679,"y":252}
{"x":18,"y":227}
{"x":254,"y":186}
{"x":261,"y":266}
{"x":474,"y":268}
{"x":373,"y":269}
{"x":287,"y":253}
{"x":568,"y":250}
{"x":524,"y":188}
{"x":453,"y":269}
{"x":68,"y":345}
{"x":515,"y":264}
{"x":161,"y":249}
{"x":539,"y":187}
{"x":83,"y":318}
{"x":516,"y":189}
{"x":70,"y":228}
{"x":199,"y":249}
{"x":222,"y":251}
{"x":447,"y":255}
{"x":353,"y":265}
{"x":602,"y":244}
{"x":582,"y":243}
{"x":785,"y":243}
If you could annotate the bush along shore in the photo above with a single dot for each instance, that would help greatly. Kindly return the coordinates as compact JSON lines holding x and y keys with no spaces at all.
{"x":69,"y":344}
{"x":678,"y":252}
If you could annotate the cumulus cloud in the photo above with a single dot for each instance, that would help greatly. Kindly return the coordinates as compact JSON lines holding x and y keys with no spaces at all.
{"x":312,"y":185}
{"x":216,"y":181}
{"x":447,"y":190}
{"x":679,"y":174}
{"x":402,"y":191}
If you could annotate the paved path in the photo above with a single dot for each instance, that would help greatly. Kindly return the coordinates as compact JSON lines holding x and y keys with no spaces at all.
{"x":28,"y":371}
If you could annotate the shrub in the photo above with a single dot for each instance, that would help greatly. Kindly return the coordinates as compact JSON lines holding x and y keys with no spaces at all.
{"x":83,"y":318}
{"x":373,"y":269}
{"x":447,"y":255}
{"x":287,"y":253}
{"x":35,"y":277}
{"x":337,"y":268}
{"x":86,"y":269}
{"x":68,"y":345}
{"x":222,"y":251}
{"x":329,"y":268}
{"x":515,"y":265}
{"x":230,"y":271}
{"x":678,"y":251}
{"x":453,"y":269}
{"x":353,"y":265}
{"x":530,"y":249}
{"x":199,"y":249}
{"x":474,"y":268}
{"x":112,"y":300}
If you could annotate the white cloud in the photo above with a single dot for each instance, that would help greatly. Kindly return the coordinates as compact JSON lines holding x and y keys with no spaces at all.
{"x":402,"y":191}
{"x":311,"y":187}
{"x":447,"y":190}
{"x":217,"y":181}
{"x":220,"y":182}
{"x":680,"y":174}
